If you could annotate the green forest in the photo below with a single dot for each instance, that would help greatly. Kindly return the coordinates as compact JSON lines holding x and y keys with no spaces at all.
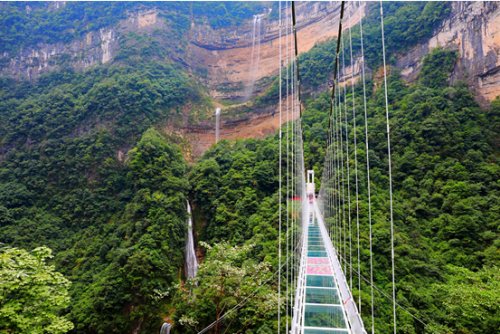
{"x":93,"y":191}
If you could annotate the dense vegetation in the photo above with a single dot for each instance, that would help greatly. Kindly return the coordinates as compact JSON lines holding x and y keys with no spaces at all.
{"x":406,"y":24}
{"x":81,"y":173}
{"x":27,"y":24}
{"x":86,"y":171}
{"x":229,"y":275}
{"x":32,"y":294}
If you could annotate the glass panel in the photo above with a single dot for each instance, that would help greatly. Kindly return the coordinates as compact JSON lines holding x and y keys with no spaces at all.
{"x":322,"y":296}
{"x":325,"y":331}
{"x":316,"y":254}
{"x":322,"y":281}
{"x":324,"y":316}
{"x":315,"y":242}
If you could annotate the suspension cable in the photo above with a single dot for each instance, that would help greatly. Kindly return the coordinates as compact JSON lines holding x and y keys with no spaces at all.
{"x":342,"y":175}
{"x":292,"y":161}
{"x":336,"y":62}
{"x":391,"y":211}
{"x":297,"y":72}
{"x":348,"y":165}
{"x":355,"y":162}
{"x":279,"y":176}
{"x":368,"y":179}
{"x":288,"y":192}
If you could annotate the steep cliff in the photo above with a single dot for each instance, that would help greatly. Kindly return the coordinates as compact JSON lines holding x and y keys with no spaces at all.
{"x":96,"y":47}
{"x":225,"y":53}
{"x":218,"y":56}
{"x":238,"y":61}
{"x":473,"y":29}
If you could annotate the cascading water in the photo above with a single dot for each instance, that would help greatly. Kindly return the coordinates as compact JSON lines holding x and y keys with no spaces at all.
{"x":255,"y":55}
{"x":217,"y":125}
{"x":191,"y":260}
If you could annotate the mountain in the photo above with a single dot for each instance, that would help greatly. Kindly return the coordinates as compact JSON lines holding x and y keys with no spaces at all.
{"x":216,"y":51}
{"x":213,"y":46}
{"x":107,"y":129}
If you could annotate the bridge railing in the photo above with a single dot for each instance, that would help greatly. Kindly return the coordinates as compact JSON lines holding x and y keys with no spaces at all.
{"x":353,"y":316}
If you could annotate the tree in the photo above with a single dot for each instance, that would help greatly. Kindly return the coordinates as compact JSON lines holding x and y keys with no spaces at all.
{"x":469,"y":301}
{"x":32,"y":294}
{"x":228,"y":278}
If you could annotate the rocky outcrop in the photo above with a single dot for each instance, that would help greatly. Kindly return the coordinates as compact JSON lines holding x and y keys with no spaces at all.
{"x":219,"y":57}
{"x":222,"y":58}
{"x":473,"y":29}
{"x":225,"y":54}
{"x":96,"y":47}
{"x":308,"y":13}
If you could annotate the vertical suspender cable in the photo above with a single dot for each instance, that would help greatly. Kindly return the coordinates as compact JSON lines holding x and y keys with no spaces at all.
{"x":297,"y":73}
{"x":391,"y":211}
{"x":355,"y":163}
{"x":336,"y":62}
{"x":368,"y":179}
{"x":342,"y":175}
{"x":348,"y":167}
{"x":335,"y":130}
{"x":292,"y":175}
{"x":331,"y":118}
{"x":287,"y":197}
{"x":279,"y":178}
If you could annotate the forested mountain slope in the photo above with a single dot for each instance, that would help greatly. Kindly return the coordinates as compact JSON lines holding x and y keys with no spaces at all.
{"x":445,"y":163}
{"x":81,"y":173}
{"x":88,"y":170}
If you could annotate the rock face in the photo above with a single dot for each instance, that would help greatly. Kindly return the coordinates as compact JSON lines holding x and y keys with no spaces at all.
{"x":220,"y":58}
{"x":473,"y":29}
{"x":94,"y":49}
{"x":228,"y":62}
{"x":226,"y":53}
{"x":97,"y":47}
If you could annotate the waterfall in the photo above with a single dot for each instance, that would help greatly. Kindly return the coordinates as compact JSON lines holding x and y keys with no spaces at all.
{"x":217,"y":125}
{"x":191,"y":260}
{"x":255,"y":55}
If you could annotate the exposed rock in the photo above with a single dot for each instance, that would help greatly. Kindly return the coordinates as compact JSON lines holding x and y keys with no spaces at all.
{"x":473,"y":29}
{"x":139,"y":21}
{"x":147,"y":19}
{"x":106,"y":39}
{"x":96,"y":47}
{"x":220,"y":58}
{"x":225,"y":52}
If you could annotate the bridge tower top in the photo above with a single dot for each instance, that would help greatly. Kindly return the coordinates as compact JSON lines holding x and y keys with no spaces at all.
{"x":310,"y":184}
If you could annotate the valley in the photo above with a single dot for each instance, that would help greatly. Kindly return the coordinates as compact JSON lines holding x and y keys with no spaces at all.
{"x":121,"y":212}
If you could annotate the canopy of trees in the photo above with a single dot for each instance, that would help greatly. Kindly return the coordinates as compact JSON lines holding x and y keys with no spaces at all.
{"x":83,"y":172}
{"x":32,"y":294}
{"x":86,"y":170}
{"x":446,"y":201}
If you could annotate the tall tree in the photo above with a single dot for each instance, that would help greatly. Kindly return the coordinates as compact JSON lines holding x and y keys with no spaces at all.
{"x":32,"y":294}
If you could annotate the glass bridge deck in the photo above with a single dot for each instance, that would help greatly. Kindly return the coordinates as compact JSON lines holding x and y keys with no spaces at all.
{"x":323,"y":312}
